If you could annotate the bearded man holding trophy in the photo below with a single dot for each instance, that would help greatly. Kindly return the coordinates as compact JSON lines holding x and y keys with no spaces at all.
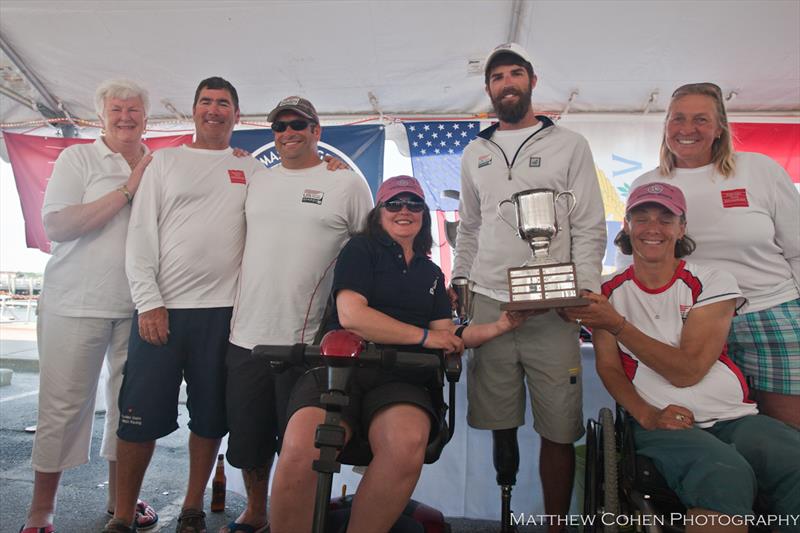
{"x":552,"y":253}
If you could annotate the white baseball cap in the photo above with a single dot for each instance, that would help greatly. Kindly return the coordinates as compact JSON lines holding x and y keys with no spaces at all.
{"x":507,"y":48}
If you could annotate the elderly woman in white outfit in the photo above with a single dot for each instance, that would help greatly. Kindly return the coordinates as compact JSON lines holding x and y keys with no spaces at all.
{"x":85,"y":309}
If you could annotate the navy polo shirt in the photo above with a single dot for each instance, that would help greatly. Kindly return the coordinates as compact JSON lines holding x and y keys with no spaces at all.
{"x":375,"y":268}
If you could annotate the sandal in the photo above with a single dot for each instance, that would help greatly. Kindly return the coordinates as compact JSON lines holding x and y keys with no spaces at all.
{"x":191,"y":521}
{"x":46,"y":529}
{"x":235,"y":526}
{"x":115,"y":525}
{"x":146,"y":516}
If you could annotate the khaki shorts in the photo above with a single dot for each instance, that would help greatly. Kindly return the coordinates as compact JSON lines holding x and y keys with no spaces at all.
{"x":543,"y":353}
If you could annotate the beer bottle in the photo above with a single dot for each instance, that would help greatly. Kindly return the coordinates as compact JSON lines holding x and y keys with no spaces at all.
{"x":218,"y":486}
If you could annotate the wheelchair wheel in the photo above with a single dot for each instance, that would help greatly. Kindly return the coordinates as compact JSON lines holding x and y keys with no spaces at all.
{"x":601,"y":486}
{"x":610,"y":478}
{"x":590,"y":480}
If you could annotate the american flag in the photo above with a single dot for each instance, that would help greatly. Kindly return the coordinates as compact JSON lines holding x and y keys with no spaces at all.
{"x":436,"y":149}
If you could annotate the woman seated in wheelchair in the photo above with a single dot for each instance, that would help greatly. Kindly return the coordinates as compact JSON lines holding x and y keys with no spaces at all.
{"x":387,"y":291}
{"x":659,"y":332}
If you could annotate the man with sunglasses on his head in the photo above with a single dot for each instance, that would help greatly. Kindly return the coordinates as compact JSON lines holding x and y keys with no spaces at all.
{"x":297,"y":221}
{"x":526,"y":151}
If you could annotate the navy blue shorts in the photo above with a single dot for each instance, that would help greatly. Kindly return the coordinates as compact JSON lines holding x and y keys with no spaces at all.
{"x":195,"y":352}
{"x":256,"y":406}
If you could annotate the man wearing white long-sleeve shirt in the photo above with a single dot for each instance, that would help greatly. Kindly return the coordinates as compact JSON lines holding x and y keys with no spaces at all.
{"x":184,"y":249}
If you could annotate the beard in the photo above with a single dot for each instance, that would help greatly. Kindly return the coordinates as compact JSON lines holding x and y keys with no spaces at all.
{"x":512,"y":112}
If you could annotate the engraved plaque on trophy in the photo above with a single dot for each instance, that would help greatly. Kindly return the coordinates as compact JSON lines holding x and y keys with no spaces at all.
{"x":542,"y":282}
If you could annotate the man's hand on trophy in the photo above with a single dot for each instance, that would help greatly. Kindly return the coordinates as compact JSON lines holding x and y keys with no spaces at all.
{"x":451,"y":292}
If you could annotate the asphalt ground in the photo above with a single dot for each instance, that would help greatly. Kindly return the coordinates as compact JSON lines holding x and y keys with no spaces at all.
{"x":83,"y":491}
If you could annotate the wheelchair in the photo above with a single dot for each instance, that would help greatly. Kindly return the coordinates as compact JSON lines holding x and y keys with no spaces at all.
{"x":341,"y":352}
{"x":624,"y":491}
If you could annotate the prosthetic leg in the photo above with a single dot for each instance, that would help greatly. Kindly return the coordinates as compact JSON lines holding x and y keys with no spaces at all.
{"x":506,"y":464}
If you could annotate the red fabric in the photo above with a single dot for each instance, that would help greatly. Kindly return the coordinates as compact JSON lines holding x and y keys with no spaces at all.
{"x":781,"y":142}
{"x":445,"y":262}
{"x":32,"y":160}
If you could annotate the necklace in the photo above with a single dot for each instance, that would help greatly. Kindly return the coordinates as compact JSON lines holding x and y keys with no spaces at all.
{"x":134,"y":160}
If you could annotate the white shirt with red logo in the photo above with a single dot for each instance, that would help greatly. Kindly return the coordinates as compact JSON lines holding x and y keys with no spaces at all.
{"x":747,"y":224}
{"x":660,"y":313}
{"x":187,"y":229}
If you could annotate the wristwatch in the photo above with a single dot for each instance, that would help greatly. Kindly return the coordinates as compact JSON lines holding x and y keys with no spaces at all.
{"x":124,"y":190}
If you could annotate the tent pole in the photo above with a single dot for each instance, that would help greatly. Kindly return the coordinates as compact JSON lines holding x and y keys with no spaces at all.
{"x":50,"y":105}
{"x":517,"y":8}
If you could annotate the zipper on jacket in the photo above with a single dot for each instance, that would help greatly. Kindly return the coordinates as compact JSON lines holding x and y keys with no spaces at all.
{"x":511,"y":165}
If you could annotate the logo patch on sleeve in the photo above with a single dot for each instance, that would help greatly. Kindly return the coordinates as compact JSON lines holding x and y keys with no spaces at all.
{"x":735,"y":198}
{"x":237,"y":176}
{"x":311,"y":196}
{"x":484,"y":160}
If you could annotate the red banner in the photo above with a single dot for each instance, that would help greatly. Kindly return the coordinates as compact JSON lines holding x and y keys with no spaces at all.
{"x":781,"y":142}
{"x":32,"y":160}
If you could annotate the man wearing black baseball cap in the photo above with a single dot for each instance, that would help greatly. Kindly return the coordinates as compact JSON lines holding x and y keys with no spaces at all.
{"x":298,"y":219}
{"x":527,"y":151}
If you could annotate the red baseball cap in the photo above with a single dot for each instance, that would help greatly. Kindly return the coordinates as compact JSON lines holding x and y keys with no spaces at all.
{"x":659,"y":193}
{"x":398,"y":185}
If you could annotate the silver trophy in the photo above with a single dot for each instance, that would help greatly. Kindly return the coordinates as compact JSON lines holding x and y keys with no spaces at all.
{"x":542,"y":282}
{"x":464,"y":305}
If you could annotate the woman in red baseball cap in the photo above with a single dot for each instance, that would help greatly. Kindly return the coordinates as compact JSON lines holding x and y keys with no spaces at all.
{"x":388,"y":291}
{"x":659,"y":331}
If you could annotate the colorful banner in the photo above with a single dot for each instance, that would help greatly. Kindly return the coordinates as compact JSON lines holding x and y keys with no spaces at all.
{"x":624,"y":149}
{"x":32,"y":160}
{"x":436,"y":149}
{"x":361,"y":147}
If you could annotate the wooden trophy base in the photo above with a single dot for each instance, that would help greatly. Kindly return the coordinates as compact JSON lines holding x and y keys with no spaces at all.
{"x":553,"y":303}
{"x":547,"y":286}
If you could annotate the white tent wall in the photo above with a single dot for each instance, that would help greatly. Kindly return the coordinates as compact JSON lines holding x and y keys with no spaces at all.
{"x":412,"y":55}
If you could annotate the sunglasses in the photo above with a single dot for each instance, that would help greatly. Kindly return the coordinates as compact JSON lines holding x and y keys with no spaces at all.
{"x":297,"y":125}
{"x":705,"y":86}
{"x":395,"y":206}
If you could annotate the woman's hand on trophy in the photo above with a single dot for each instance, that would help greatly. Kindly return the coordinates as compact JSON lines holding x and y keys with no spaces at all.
{"x":511,"y":320}
{"x":598,"y":314}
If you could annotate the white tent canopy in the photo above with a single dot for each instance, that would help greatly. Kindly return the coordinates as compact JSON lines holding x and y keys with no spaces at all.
{"x":371,"y":57}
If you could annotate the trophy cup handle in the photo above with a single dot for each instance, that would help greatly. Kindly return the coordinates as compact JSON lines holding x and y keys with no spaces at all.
{"x":571,"y":195}
{"x":500,"y":214}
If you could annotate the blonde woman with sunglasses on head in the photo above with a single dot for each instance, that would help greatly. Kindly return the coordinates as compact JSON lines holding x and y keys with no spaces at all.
{"x":745,"y":217}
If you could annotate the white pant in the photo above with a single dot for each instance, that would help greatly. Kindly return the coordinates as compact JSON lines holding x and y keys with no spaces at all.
{"x":71,"y":354}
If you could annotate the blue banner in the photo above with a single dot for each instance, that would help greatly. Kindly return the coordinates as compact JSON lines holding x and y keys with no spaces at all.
{"x":436,"y":149}
{"x":361,"y":147}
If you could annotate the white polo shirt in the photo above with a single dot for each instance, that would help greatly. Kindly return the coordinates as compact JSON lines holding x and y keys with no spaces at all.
{"x":85,"y":277}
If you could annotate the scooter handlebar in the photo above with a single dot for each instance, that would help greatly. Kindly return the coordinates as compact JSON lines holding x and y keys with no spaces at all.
{"x":379,"y":356}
